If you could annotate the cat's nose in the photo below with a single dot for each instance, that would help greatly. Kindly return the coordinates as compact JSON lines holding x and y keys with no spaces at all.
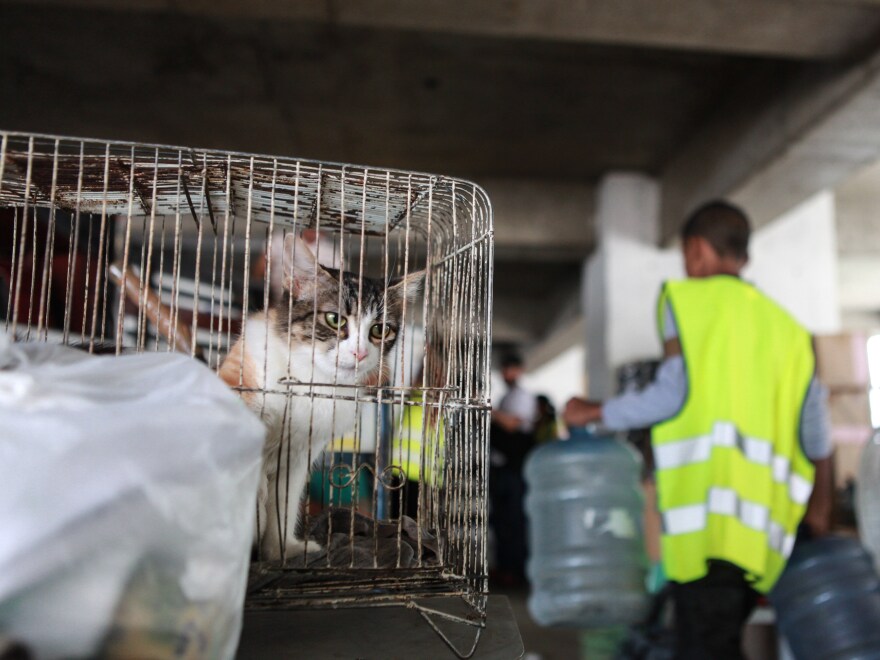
{"x":360,"y":355}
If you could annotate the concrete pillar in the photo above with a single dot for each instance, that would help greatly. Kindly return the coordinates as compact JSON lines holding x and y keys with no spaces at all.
{"x":622,"y":278}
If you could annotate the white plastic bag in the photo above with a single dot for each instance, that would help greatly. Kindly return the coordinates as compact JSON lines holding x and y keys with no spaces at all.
{"x":127,"y":500}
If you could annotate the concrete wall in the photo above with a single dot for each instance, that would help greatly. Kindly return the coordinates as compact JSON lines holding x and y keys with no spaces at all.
{"x":858,"y":244}
{"x":794,"y":261}
{"x":561,"y":378}
{"x":639,"y":272}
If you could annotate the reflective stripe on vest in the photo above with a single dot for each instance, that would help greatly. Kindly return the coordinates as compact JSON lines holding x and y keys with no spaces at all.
{"x":732,"y":480}
{"x":724,"y":502}
{"x":724,"y":434}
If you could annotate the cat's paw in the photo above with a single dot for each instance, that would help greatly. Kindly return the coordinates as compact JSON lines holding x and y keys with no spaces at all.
{"x":300,"y":553}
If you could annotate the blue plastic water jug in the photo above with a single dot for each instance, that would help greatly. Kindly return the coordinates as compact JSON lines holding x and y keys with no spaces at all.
{"x":828,"y":602}
{"x":587,"y":560}
{"x":868,"y":497}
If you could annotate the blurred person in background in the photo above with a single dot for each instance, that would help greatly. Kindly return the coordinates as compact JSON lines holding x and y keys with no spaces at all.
{"x":547,"y":424}
{"x":511,"y":437}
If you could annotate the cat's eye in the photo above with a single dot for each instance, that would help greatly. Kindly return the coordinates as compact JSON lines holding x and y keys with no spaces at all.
{"x":334,"y":321}
{"x":377,"y":331}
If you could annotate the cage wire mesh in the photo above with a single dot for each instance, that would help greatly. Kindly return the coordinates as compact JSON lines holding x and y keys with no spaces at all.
{"x":126,"y":247}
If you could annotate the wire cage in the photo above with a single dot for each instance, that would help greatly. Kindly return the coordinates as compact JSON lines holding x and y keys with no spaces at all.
{"x":125,"y":247}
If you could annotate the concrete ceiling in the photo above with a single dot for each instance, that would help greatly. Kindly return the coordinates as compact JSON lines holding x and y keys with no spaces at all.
{"x":535,"y":100}
{"x":457,"y":103}
{"x":810,"y":29}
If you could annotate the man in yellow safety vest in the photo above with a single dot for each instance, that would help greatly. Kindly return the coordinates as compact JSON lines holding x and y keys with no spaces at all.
{"x":740,"y":436}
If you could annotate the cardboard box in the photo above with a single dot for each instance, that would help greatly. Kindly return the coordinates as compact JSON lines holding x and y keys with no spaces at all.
{"x":846,"y":463}
{"x":849,"y":408}
{"x":842,"y":360}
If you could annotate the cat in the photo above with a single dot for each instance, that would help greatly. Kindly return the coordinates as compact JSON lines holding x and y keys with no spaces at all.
{"x":309,"y":337}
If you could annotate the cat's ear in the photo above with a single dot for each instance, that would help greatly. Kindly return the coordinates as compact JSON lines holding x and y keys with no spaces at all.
{"x":302,"y":272}
{"x":409,"y":286}
{"x":322,"y":245}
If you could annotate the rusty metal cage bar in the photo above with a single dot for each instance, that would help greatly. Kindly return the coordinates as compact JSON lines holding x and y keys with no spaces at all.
{"x":142,"y":247}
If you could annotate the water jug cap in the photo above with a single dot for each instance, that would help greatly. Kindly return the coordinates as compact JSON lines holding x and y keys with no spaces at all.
{"x":588,"y":432}
{"x":591,"y":439}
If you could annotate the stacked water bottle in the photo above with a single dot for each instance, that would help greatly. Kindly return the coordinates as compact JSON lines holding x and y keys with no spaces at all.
{"x":828,"y":600}
{"x":587,"y":561}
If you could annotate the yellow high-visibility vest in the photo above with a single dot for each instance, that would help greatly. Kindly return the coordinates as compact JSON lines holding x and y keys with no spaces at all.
{"x":732,"y":479}
{"x":416,"y":449}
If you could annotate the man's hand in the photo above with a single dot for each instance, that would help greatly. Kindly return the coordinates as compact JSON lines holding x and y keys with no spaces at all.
{"x":580,"y":412}
{"x":510,"y":423}
{"x":818,"y":514}
{"x":818,"y":521}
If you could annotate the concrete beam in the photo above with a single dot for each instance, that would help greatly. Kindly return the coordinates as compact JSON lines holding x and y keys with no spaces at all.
{"x":804,"y":30}
{"x":511,"y":322}
{"x":818,"y":130}
{"x":563,"y":335}
{"x":541,"y":220}
{"x":868,"y":3}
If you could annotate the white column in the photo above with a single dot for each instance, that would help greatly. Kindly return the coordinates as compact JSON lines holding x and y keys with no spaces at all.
{"x":623,"y":277}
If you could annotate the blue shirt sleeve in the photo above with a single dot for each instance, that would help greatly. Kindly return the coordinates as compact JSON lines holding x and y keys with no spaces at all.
{"x":815,"y":425}
{"x":670,"y":330}
{"x":664,"y":397}
{"x":659,"y":401}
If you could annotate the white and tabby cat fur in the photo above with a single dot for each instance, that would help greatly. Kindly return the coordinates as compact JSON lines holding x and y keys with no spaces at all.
{"x":296,"y":339}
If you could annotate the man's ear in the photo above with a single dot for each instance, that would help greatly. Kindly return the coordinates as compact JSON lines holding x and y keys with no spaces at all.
{"x":701,"y":259}
{"x":322,"y":245}
{"x":691,"y":246}
{"x":302,"y":272}
{"x":704,"y":247}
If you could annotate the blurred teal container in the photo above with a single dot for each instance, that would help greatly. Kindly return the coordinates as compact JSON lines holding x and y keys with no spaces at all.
{"x":587,"y":560}
{"x":827,"y":601}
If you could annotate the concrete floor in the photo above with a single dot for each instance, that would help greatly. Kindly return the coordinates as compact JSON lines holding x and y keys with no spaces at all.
{"x":378,"y":633}
{"x":540,"y":643}
{"x":759,"y":639}
{"x":385,"y":633}
{"x":390,"y":633}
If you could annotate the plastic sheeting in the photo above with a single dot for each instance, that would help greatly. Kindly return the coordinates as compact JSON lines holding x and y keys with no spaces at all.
{"x":127,"y":503}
